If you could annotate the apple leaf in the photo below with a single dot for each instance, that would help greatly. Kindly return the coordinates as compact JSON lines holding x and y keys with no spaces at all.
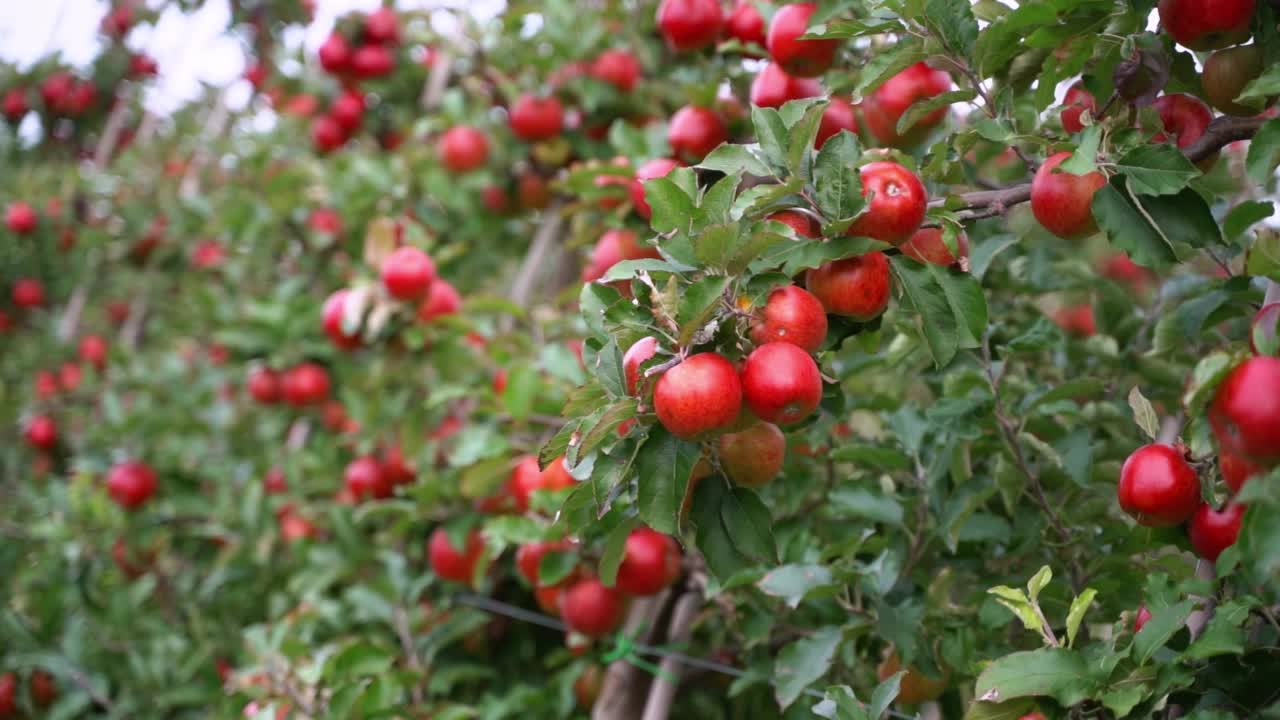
{"x":713,"y":539}
{"x":664,"y":466}
{"x":951,"y":307}
{"x":804,"y":254}
{"x":556,"y":565}
{"x":888,"y":62}
{"x":1264,"y":257}
{"x":1049,"y":672}
{"x":1244,"y":216}
{"x":1079,"y":606}
{"x":615,"y":545}
{"x":803,"y":662}
{"x":1156,"y":169}
{"x":771,"y":133}
{"x":1011,"y":710}
{"x":730,"y":159}
{"x":1154,"y":230}
{"x":839,"y":703}
{"x":924,"y":106}
{"x":793,"y":582}
{"x":699,"y":303}
{"x":1157,"y":631}
{"x":749,"y":523}
{"x":671,"y":205}
{"x":1261,"y":89}
{"x":1085,"y":158}
{"x":1205,"y":378}
{"x":953,"y":23}
{"x":839,"y":189}
{"x":1144,"y":415}
{"x":1264,"y":152}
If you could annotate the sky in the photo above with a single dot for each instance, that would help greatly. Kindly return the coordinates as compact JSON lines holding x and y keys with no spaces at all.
{"x":191,"y":48}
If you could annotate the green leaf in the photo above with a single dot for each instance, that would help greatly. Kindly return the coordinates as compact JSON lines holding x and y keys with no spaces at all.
{"x":1156,"y":169}
{"x":672,"y":207}
{"x":1079,"y":606}
{"x":713,"y":540}
{"x":1244,"y":215}
{"x":1208,"y":373}
{"x":803,"y":132}
{"x":951,"y":307}
{"x":924,"y":106}
{"x":716,"y":202}
{"x":1158,"y":231}
{"x":794,"y":257}
{"x":1039,"y":336}
{"x":772,"y":135}
{"x":715,"y":245}
{"x":1223,"y":635}
{"x":752,"y":246}
{"x":1085,"y":158}
{"x":881,"y":458}
{"x":522,"y":386}
{"x":793,"y":582}
{"x":886,"y":63}
{"x":861,"y":502}
{"x":556,"y":565}
{"x":1038,"y":583}
{"x":803,"y":662}
{"x":359,"y":659}
{"x":1144,"y":414}
{"x":839,"y":703}
{"x":1069,"y":390}
{"x":884,"y":694}
{"x":839,"y":189}
{"x":730,"y":159}
{"x":749,"y":524}
{"x":1012,"y":710}
{"x":952,"y":21}
{"x":1157,"y":631}
{"x":1049,"y":672}
{"x":1264,"y":153}
{"x":1264,"y":257}
{"x":1019,"y":605}
{"x":607,"y":367}
{"x":663,"y":466}
{"x":1261,"y":89}
{"x":842,"y":29}
{"x":1259,"y":540}
{"x":615,"y":546}
{"x":627,"y":269}
{"x":699,"y":303}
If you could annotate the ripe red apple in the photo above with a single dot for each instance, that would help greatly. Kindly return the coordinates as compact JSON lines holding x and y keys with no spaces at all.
{"x":1062,"y":201}
{"x":695,"y":131}
{"x":364,"y":478}
{"x":1226,"y":73}
{"x":927,"y":246}
{"x":93,"y":350}
{"x":327,"y":135}
{"x":753,"y":456}
{"x":773,"y":87}
{"x":46,"y":384}
{"x":41,"y":432}
{"x":656,"y":168}
{"x":295,"y":527}
{"x":1245,"y":414}
{"x":690,"y":24}
{"x":44,"y":689}
{"x":1076,"y":320}
{"x":700,"y":395}
{"x":27,"y":293}
{"x":256,"y":74}
{"x":839,"y":115}
{"x":1157,"y":486}
{"x":142,"y":65}
{"x":131,"y":483}
{"x":746,"y":24}
{"x":1185,"y":118}
{"x":69,"y":376}
{"x":1236,"y":470}
{"x":1140,"y":618}
{"x":325,"y":220}
{"x":529,"y":557}
{"x":1120,"y":268}
{"x":856,"y":287}
{"x":407,"y":273}
{"x":613,"y":247}
{"x":264,"y":385}
{"x":305,"y":384}
{"x":882,"y":109}
{"x":525,"y":478}
{"x":590,"y":608}
{"x":633,"y":358}
{"x":650,"y":563}
{"x":382,"y":26}
{"x":536,"y":118}
{"x":556,"y":476}
{"x":21,"y":218}
{"x":791,"y":314}
{"x":617,"y":67}
{"x":897,"y":202}
{"x":274,"y":482}
{"x":1264,"y":329}
{"x":452,"y":563}
{"x":335,"y":54}
{"x":781,"y":383}
{"x":372,"y":61}
{"x":463,"y":148}
{"x":798,"y":221}
{"x":1212,"y":531}
{"x":14,"y":105}
{"x":8,"y":695}
{"x":1073,"y":106}
{"x":803,"y":58}
{"x":331,"y":318}
{"x":1206,"y":24}
{"x":442,"y":300}
{"x":348,"y":110}
{"x":396,"y":468}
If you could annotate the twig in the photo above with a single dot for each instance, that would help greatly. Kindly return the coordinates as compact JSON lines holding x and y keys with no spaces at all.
{"x":1198,"y":619}
{"x":663,"y":691}
{"x":437,"y":81}
{"x":523,"y":285}
{"x":401,"y":619}
{"x":618,"y":696}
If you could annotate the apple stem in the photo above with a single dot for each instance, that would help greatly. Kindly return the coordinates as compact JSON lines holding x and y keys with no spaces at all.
{"x":1273,"y":293}
{"x":663,"y":691}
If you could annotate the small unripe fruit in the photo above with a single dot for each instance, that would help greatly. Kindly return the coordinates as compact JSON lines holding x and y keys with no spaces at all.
{"x":753,"y":456}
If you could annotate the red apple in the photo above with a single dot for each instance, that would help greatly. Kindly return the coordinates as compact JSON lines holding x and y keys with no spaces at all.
{"x":41,"y":432}
{"x":264,"y":385}
{"x":694,"y":132}
{"x":700,"y":395}
{"x":8,"y":695}
{"x":927,"y":246}
{"x":372,"y":61}
{"x":305,"y":384}
{"x":1140,"y":618}
{"x":325,"y":220}
{"x":1062,"y":201}
{"x":798,"y":221}
{"x":1076,"y":320}
{"x":1073,"y":106}
{"x":463,"y":148}
{"x":1120,"y":268}
{"x":897,"y":202}
{"x":536,"y":118}
{"x":131,"y":483}
{"x":773,"y":87}
{"x":382,"y":26}
{"x":335,"y":54}
{"x":274,"y":482}
{"x":407,"y":273}
{"x":69,"y":375}
{"x":1157,"y":486}
{"x":44,"y":689}
{"x":791,"y":314}
{"x":365,"y":479}
{"x":590,"y":608}
{"x":1236,"y":470}
{"x":348,"y":110}
{"x":525,"y":478}
{"x":856,"y":287}
{"x":650,"y":563}
{"x":803,"y":58}
{"x":529,"y":557}
{"x":327,"y":135}
{"x":838,"y":116}
{"x":690,"y":24}
{"x":331,"y":317}
{"x":27,"y":293}
{"x":1206,"y":24}
{"x":21,"y":218}
{"x":396,"y":468}
{"x":1245,"y":414}
{"x":617,"y":67}
{"x":14,"y":105}
{"x":93,"y":350}
{"x":1212,"y":531}
{"x":746,"y":24}
{"x":882,"y":109}
{"x":452,"y":563}
{"x":556,"y":476}
{"x":442,"y":300}
{"x":753,"y":456}
{"x":656,"y":168}
{"x":1184,"y":117}
{"x":633,"y":358}
{"x":781,"y":383}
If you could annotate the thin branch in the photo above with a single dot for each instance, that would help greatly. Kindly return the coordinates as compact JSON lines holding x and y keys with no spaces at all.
{"x":410,"y":652}
{"x":663,"y":691}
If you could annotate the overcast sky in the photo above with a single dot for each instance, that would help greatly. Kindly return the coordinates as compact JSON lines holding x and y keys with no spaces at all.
{"x":190,"y":48}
